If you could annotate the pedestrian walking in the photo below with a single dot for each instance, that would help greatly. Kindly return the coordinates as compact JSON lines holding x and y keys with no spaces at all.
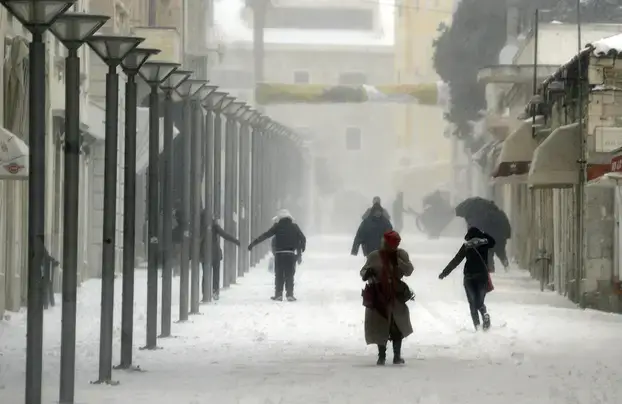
{"x":387,"y":317}
{"x":289,"y":244}
{"x":477,"y":281}
{"x":370,"y":232}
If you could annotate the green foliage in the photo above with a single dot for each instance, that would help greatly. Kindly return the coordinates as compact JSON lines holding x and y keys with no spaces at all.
{"x":473,"y":41}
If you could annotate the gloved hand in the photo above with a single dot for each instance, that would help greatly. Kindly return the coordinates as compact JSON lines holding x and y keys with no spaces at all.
{"x":250,"y":246}
{"x":369,"y":273}
{"x":441,"y":276}
{"x":237,"y":242}
{"x":299,"y":259}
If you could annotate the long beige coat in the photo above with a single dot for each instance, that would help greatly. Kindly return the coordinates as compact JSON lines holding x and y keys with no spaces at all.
{"x":376,"y":326}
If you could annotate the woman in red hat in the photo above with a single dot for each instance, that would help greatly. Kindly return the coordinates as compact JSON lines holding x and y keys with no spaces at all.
{"x":387,"y":317}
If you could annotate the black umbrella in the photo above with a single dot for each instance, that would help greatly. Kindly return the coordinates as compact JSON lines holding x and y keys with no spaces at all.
{"x":486,"y":216}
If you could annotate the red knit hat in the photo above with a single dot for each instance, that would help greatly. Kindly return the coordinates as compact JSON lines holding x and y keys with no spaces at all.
{"x":392,"y":239}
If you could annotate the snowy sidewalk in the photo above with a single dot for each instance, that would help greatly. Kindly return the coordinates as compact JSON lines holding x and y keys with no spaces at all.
{"x":247,"y":349}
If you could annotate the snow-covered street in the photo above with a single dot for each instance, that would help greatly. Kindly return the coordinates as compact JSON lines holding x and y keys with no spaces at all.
{"x":247,"y":349}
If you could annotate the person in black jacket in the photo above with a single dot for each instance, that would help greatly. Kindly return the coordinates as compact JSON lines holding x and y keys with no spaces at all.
{"x":289,"y":244}
{"x":217,"y":233}
{"x":371,"y":230}
{"x":476,"y":275}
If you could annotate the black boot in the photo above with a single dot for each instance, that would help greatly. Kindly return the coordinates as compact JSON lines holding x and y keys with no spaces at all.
{"x":382,"y":355}
{"x":277,"y":297}
{"x":397,"y":352}
{"x":486,"y":321}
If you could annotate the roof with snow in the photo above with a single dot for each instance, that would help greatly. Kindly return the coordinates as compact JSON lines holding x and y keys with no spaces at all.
{"x":607,"y":47}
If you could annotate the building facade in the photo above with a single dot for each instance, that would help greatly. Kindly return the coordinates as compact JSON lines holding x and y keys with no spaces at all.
{"x":326,"y":44}
{"x":427,"y":155}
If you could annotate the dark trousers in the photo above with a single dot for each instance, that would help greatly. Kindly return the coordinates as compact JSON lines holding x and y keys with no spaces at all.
{"x":475,"y":289}
{"x":284,"y":271}
{"x":395,"y":335}
{"x":215,"y":275}
{"x":48,"y":285}
{"x":500,"y":252}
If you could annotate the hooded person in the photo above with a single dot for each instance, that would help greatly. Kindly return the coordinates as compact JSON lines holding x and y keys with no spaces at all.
{"x":477,"y":281}
{"x":374,"y":204}
{"x":217,"y":232}
{"x":371,"y":230}
{"x":289,"y":242}
{"x":387,"y":317}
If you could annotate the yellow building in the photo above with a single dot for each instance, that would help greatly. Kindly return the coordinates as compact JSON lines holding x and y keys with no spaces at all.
{"x":425,"y":152}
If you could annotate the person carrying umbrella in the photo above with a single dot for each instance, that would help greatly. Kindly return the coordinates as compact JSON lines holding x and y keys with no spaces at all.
{"x":488,"y":217}
{"x":476,"y":274}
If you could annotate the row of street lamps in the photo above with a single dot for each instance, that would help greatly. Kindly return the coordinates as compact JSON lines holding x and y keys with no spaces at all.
{"x":259,"y":185}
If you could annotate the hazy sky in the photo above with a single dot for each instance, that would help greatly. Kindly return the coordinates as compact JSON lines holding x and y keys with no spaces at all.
{"x":232,"y":28}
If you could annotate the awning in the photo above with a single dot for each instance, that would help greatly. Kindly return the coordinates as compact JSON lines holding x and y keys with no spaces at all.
{"x":516,"y":154}
{"x":607,"y":180}
{"x":13,"y":157}
{"x":142,"y":138}
{"x":554,"y":162}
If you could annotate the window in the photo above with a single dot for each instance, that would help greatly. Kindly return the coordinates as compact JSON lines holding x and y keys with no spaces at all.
{"x":333,"y":18}
{"x":353,"y":139}
{"x":301,"y":77}
{"x":352,"y":78}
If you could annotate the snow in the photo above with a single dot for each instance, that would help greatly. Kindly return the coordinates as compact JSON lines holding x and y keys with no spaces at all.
{"x":247,"y":349}
{"x":609,"y":46}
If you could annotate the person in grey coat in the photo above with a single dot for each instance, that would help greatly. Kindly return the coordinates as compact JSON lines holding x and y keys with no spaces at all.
{"x":388,"y":318}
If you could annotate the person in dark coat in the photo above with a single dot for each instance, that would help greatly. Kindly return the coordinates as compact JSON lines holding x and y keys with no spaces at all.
{"x":388,"y":318}
{"x":49,"y":265}
{"x":217,"y":232}
{"x":476,"y":274}
{"x":177,"y":239}
{"x":488,"y":217}
{"x":376,"y":202}
{"x":370,"y":232}
{"x":289,"y":244}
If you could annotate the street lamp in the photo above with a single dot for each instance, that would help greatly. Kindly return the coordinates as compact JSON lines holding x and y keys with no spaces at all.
{"x":154,"y":73}
{"x":231,"y":154}
{"x":186,"y":91}
{"x":195,"y":195}
{"x":168,"y":86}
{"x":36,"y":17}
{"x":220,"y":102}
{"x":255,"y":204}
{"x":72,"y":29}
{"x":131,"y":66}
{"x":210,"y":100}
{"x":111,"y":49}
{"x":244,"y":181}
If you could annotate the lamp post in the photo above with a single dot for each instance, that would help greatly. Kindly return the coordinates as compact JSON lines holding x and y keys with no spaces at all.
{"x":71,"y":29}
{"x":248,"y":119}
{"x":195,"y":197}
{"x":255,"y":178}
{"x":36,"y":17}
{"x":231,"y":133}
{"x":210,"y":97}
{"x":168,"y":86}
{"x":154,"y":73}
{"x":111,"y":50}
{"x":186,"y":90}
{"x":131,"y":65}
{"x":217,"y":196}
{"x":237,"y":269}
